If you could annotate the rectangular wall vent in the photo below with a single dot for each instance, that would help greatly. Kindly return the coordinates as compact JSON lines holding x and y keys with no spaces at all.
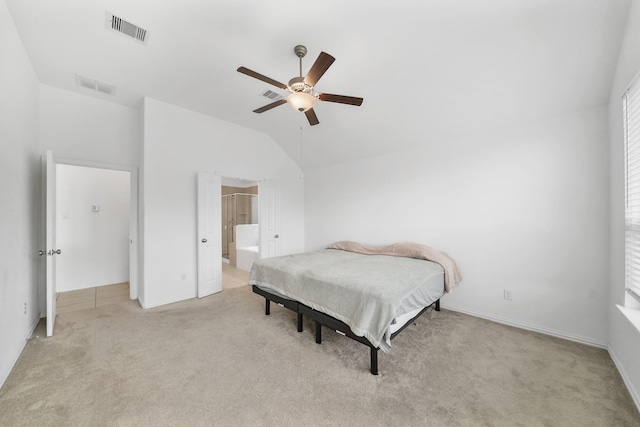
{"x":126,"y":28}
{"x":94,"y":84}
{"x":272,"y":95}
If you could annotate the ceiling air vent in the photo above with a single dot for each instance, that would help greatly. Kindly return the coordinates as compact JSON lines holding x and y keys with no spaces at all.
{"x":126,"y":28}
{"x":272,"y":95}
{"x":94,"y":84}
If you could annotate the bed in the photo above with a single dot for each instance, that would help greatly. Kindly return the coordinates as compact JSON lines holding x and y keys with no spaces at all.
{"x":369,"y":294}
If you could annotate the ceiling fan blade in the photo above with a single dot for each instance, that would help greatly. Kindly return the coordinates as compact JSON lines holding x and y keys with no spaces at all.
{"x":318,"y":68}
{"x":350,"y":100}
{"x":259,"y":76}
{"x":270,"y":106}
{"x":311,"y":116}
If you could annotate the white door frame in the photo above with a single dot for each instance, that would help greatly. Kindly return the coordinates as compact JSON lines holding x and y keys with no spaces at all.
{"x":134,"y":235}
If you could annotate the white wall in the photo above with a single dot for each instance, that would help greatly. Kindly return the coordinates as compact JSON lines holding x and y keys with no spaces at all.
{"x":95,"y":245}
{"x":83,"y":128}
{"x":624,"y":338}
{"x":178,"y":143}
{"x":19,"y":184}
{"x":523,"y":208}
{"x":87,"y":131}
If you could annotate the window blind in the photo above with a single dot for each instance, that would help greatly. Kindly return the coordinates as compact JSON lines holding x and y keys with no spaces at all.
{"x":631,"y":114}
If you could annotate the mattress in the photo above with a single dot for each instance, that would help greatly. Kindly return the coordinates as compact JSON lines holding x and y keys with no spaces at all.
{"x":370,"y":293}
{"x":401,"y":320}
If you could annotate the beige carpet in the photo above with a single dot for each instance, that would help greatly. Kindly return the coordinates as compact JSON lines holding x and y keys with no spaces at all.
{"x":220,"y":361}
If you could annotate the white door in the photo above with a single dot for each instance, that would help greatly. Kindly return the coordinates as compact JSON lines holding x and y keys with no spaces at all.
{"x":50,"y":248}
{"x":209,"y":237}
{"x":269,"y":196}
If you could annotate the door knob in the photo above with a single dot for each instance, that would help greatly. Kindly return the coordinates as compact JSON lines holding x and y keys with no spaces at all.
{"x":204,"y":240}
{"x":276,"y":236}
{"x":40,"y":253}
{"x":56,"y":252}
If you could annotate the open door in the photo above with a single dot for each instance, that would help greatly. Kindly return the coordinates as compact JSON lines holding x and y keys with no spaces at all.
{"x":50,"y":248}
{"x":209,"y":234}
{"x":269,"y":205}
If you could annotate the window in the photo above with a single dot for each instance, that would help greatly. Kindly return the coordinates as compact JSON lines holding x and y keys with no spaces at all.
{"x":631,"y":114}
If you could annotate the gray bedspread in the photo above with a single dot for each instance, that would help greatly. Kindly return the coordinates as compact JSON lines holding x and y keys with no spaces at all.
{"x":363,"y":291}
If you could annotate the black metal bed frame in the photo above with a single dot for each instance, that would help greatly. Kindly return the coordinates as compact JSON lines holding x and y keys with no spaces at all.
{"x":322,"y":319}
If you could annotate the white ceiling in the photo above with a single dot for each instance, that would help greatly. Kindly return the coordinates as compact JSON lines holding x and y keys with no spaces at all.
{"x":428,"y":70}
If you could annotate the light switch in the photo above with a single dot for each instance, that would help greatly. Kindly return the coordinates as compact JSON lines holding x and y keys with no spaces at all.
{"x":95,"y":208}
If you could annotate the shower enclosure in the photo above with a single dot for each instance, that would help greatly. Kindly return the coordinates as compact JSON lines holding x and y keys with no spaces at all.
{"x":237,"y":208}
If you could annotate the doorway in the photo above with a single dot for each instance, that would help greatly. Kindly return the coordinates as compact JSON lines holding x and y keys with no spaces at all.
{"x":47,"y":235}
{"x":209,"y":241}
{"x":92,"y":226}
{"x":239,"y":229}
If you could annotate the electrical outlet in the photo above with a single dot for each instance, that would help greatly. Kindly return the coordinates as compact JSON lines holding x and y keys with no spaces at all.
{"x":25,"y":308}
{"x":507,"y":295}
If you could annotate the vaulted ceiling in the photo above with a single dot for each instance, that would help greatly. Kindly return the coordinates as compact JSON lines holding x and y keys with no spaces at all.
{"x":428,"y":70}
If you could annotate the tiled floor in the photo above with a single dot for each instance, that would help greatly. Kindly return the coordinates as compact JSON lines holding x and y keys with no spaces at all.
{"x":83,"y":299}
{"x":233,"y":277}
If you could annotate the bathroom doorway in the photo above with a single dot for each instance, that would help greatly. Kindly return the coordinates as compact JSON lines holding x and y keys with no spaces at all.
{"x":240,"y":225}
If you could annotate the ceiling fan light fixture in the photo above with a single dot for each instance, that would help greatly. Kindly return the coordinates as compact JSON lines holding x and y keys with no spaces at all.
{"x":301,"y":101}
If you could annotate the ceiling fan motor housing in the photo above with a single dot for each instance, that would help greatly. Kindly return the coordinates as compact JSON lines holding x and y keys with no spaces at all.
{"x":297,"y":84}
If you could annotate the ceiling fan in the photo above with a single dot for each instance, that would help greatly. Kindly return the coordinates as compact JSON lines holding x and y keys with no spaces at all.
{"x":302,"y":97}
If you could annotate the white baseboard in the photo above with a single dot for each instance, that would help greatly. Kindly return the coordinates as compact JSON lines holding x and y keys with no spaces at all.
{"x":158,"y":303}
{"x":19,"y":350}
{"x":529,"y":327}
{"x":34,"y":325}
{"x":632,"y":391}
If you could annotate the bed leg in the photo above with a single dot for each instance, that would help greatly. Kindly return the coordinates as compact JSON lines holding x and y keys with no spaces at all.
{"x":438,"y":305}
{"x":374,"y":361}
{"x":318,"y":333}
{"x":267,"y":307}
{"x":299,"y":322}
